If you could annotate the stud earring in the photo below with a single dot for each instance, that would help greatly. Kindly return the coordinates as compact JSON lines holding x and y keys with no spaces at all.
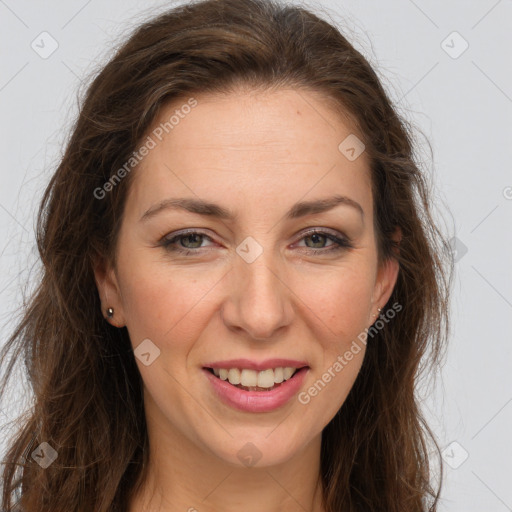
{"x":379,"y":310}
{"x":110,"y":312}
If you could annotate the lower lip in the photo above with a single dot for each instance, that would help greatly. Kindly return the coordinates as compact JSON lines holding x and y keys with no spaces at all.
{"x":257,"y":401}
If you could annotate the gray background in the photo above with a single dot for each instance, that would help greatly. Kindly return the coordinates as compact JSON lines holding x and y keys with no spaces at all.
{"x":461,"y":101}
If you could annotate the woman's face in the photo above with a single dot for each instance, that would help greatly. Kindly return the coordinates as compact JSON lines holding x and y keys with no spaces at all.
{"x":256,"y":285}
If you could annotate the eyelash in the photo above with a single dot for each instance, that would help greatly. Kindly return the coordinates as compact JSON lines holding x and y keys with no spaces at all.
{"x":340,"y":243}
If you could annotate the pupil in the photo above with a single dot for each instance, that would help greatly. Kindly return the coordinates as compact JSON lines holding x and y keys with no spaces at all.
{"x":315,"y":236}
{"x":190,"y":237}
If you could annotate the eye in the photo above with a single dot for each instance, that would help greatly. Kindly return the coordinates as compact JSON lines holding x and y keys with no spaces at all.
{"x":189,"y":242}
{"x":319,"y":237}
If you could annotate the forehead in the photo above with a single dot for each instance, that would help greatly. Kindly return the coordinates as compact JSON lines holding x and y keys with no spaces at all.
{"x":280,"y":143}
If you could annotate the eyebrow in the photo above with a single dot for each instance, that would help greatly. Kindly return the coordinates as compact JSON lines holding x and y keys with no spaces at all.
{"x":209,"y":209}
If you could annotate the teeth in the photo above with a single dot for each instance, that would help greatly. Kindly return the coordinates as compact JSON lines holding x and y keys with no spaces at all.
{"x":251,"y":378}
{"x":234,"y":376}
{"x":265,"y":379}
{"x":288,"y":372}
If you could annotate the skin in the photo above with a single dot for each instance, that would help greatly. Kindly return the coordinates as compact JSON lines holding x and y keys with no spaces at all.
{"x":256,"y":153}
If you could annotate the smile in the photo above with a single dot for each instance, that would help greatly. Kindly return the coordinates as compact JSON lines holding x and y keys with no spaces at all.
{"x":252,"y":380}
{"x":253,"y":397}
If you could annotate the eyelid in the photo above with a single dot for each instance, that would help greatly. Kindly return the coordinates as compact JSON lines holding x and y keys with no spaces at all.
{"x":327,"y":231}
{"x":181,"y":233}
{"x":340,"y":241}
{"x":302,"y":234}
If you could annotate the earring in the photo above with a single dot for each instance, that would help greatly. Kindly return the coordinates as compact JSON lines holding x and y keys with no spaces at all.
{"x":379,"y":310}
{"x":110,"y":312}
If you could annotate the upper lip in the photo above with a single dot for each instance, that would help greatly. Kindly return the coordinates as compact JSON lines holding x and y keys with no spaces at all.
{"x":257,"y":365}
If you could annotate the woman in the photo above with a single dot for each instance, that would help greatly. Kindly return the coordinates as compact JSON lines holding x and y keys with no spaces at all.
{"x":241,"y":276}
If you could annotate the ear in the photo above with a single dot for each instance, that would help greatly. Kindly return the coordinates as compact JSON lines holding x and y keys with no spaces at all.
{"x":108,"y":289}
{"x":387,"y":275}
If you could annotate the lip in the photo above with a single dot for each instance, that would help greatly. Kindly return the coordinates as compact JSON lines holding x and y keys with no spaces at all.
{"x":256,"y":401}
{"x":255,"y":365}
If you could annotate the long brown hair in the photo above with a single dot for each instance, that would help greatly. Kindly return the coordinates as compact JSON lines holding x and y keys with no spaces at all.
{"x":87,"y":390}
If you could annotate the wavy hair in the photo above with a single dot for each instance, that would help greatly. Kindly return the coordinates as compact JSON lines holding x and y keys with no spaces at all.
{"x":85,"y":384}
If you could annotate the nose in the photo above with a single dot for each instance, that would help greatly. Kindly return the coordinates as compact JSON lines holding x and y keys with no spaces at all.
{"x":258,"y":299}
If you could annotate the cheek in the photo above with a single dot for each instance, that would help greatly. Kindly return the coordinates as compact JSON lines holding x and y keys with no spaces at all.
{"x":339,"y":307}
{"x":163,"y":304}
{"x":340,"y":300}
